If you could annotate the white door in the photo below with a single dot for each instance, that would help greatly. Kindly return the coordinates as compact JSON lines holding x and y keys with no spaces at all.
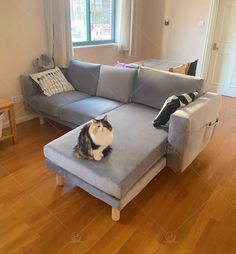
{"x":222,"y":69}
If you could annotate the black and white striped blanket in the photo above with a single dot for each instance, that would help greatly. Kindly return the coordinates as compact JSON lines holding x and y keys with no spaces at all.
{"x":171,"y":105}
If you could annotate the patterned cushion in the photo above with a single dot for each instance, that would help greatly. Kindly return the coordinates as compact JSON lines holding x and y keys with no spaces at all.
{"x":52,"y":82}
{"x":171,"y":105}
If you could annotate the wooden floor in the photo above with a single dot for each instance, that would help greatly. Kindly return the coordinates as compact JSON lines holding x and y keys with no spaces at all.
{"x":193,"y":212}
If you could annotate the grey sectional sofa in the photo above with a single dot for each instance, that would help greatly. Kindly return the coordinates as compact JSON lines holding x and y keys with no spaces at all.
{"x":131,"y":99}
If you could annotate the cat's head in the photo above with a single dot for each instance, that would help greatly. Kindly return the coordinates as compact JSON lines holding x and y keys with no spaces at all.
{"x":100,"y":125}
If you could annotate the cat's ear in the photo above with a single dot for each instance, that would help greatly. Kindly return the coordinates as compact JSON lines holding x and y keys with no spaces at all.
{"x":105,"y":118}
{"x":94,"y":120}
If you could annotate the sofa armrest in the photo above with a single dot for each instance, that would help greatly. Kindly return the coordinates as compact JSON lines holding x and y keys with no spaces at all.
{"x":29,"y":89}
{"x":190,"y":130}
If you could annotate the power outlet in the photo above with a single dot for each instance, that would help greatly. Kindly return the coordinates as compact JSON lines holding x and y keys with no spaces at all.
{"x":17,"y":99}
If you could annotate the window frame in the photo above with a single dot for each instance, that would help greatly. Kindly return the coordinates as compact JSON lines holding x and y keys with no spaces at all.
{"x":89,"y":42}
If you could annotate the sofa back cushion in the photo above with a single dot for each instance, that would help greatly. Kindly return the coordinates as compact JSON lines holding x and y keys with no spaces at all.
{"x":83,"y":76}
{"x":154,"y":87}
{"x":116,"y":83}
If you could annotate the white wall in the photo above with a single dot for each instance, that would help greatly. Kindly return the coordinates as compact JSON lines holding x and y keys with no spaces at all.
{"x":184,"y":40}
{"x":22,"y":39}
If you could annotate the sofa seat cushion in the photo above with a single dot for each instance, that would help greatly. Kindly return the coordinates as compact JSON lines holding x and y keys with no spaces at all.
{"x":153,"y":87}
{"x":116,"y":83}
{"x":82,"y":111}
{"x":137,"y":146}
{"x":52,"y":105}
{"x":83,"y":76}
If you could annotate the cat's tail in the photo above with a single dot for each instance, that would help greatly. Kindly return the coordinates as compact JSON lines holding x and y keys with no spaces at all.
{"x":107,"y":151}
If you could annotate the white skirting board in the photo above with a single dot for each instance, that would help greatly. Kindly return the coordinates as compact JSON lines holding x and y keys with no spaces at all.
{"x":21,"y":119}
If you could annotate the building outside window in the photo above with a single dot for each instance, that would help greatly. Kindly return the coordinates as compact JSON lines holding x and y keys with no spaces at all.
{"x":93,"y":22}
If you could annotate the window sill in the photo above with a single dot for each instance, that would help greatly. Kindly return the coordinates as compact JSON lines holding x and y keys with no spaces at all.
{"x":93,"y":46}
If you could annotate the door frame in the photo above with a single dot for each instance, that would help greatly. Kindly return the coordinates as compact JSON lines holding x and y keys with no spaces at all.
{"x":210,"y":37}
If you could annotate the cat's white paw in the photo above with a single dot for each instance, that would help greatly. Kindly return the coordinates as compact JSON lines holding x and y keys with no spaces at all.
{"x":97,"y":157}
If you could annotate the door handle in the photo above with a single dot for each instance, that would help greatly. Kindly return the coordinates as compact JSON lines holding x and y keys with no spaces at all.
{"x":214,"y":47}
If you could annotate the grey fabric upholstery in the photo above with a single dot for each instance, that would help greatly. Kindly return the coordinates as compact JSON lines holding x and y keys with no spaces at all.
{"x":64,"y":71}
{"x":81,"y":112}
{"x":110,"y":200}
{"x":29,"y":88}
{"x":154,"y":87}
{"x":139,"y":150}
{"x":116,"y":83}
{"x":83,"y":76}
{"x":189,"y":132}
{"x":137,"y":146}
{"x":52,"y":105}
{"x":56,"y":119}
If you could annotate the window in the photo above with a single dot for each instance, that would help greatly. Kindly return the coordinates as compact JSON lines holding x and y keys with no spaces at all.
{"x":92,"y":22}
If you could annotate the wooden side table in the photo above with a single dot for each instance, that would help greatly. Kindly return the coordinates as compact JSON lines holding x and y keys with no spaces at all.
{"x":7,"y":107}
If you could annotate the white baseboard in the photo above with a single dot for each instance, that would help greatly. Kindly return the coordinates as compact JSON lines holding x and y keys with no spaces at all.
{"x":21,"y":119}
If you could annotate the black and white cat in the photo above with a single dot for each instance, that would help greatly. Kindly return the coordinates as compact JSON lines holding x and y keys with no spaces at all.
{"x":95,"y":138}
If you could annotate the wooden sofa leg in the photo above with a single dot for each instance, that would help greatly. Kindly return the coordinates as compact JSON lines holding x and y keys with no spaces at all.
{"x":115,"y":214}
{"x":41,"y":120}
{"x":59,"y":180}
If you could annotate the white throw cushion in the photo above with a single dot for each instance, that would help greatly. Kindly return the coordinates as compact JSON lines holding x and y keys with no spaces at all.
{"x":52,"y":81}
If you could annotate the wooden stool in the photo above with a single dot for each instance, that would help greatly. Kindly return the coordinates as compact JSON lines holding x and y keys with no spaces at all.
{"x":6,"y":106}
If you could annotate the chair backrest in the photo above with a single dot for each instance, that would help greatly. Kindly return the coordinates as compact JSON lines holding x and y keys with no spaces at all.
{"x":192,"y":68}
